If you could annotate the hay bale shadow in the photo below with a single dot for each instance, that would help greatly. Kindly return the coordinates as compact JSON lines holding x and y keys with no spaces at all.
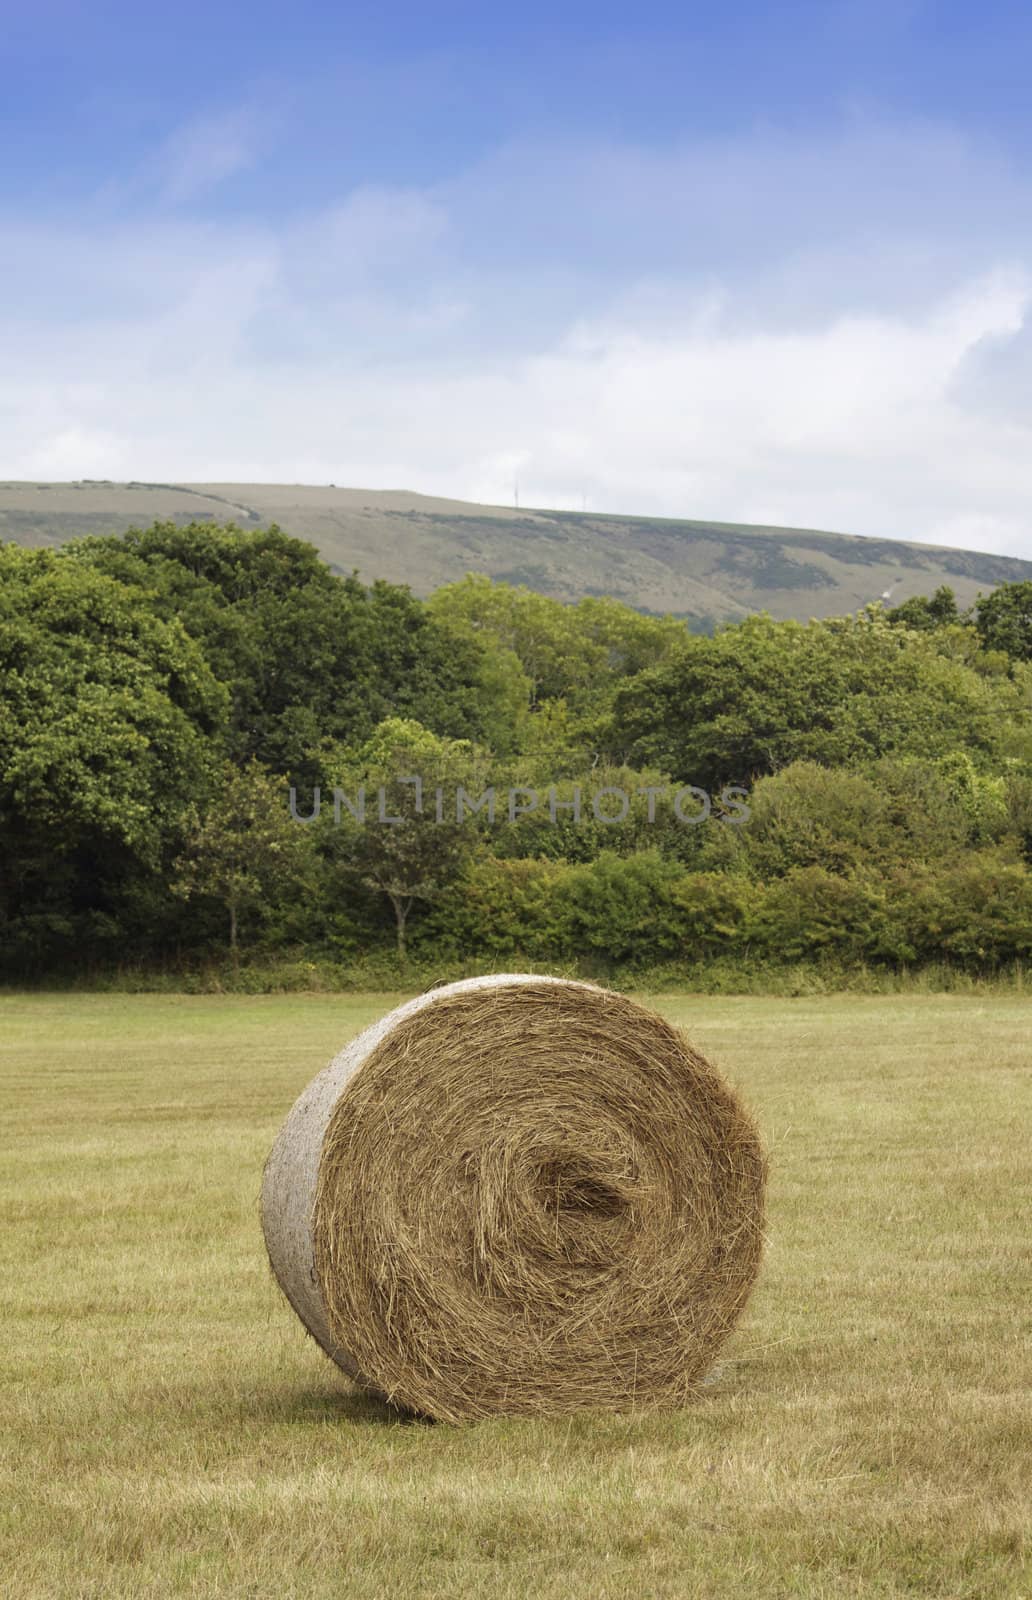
{"x":352,"y":1407}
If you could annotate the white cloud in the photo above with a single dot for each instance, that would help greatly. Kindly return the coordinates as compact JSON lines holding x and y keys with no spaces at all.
{"x":766,"y":330}
{"x":58,"y":456}
{"x":205,"y":152}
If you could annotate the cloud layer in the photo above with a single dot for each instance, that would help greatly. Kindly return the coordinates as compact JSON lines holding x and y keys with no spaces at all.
{"x":829,"y":333}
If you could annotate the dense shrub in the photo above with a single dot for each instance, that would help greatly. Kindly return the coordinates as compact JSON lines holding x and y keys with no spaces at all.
{"x":977,"y":910}
{"x":811,"y":913}
{"x":501,"y":908}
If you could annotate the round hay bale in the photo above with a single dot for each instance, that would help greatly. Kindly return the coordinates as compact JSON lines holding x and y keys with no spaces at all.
{"x":517,"y":1195}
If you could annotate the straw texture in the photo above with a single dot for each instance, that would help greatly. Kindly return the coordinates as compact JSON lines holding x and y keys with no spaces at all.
{"x":518,"y":1195}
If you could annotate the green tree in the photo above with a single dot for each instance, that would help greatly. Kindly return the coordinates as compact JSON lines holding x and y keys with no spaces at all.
{"x":536,"y":631}
{"x":307,"y":654}
{"x":1004,"y":620}
{"x":762,"y":693}
{"x":381,"y":826}
{"x":808,"y":815}
{"x":924,"y":614}
{"x":109,"y":723}
{"x":243,"y":848}
{"x":562,"y":655}
{"x":599,"y":808}
{"x":981,"y":799}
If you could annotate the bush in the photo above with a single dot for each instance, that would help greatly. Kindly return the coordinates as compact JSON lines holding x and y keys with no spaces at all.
{"x":632,"y":909}
{"x":719,"y":912}
{"x":644,"y":909}
{"x":808,"y":815}
{"x":977,"y":911}
{"x":812,"y":914}
{"x":500,"y":908}
{"x":624,"y":907}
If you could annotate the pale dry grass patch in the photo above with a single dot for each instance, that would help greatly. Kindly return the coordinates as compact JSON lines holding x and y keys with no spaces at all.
{"x":169,"y":1431}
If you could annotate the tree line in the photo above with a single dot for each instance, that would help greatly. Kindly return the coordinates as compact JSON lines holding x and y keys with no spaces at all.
{"x":162,"y":692}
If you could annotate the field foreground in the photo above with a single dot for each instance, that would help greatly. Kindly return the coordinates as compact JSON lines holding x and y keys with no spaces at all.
{"x":171,"y":1431}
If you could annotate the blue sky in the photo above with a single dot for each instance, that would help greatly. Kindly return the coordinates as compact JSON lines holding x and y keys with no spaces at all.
{"x":765,"y":263}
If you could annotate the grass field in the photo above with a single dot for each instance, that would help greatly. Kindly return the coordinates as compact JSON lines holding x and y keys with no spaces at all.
{"x":168,"y":1429}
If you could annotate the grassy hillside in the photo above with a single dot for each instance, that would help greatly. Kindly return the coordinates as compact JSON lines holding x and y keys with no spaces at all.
{"x":705,"y":571}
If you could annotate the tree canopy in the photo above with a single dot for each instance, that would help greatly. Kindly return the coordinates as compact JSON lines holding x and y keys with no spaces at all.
{"x":163,"y":691}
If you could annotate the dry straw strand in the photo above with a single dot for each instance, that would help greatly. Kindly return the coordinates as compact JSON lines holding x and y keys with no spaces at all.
{"x":518,"y":1195}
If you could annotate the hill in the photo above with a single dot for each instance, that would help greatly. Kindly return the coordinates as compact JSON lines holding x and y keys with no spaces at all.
{"x":704,"y":571}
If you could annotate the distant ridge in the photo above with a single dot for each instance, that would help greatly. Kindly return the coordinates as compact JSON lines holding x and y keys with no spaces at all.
{"x":706,"y":572}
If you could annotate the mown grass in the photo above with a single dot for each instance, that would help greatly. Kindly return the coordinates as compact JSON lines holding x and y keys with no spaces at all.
{"x":168,"y":1429}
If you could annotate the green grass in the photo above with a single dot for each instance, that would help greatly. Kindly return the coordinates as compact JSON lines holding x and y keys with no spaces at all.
{"x":169,"y":1430}
{"x":379,"y":972}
